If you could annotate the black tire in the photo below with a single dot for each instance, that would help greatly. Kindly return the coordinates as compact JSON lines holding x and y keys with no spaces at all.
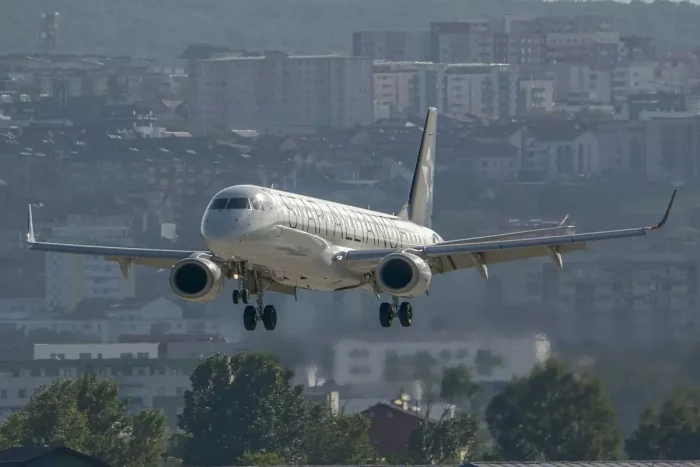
{"x":269,"y":317}
{"x":245,"y":295}
{"x":406,"y":314}
{"x":385,"y":315}
{"x":236,"y":297}
{"x":250,"y":318}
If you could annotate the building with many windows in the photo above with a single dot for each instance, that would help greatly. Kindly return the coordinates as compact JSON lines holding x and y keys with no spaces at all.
{"x":284,"y":93}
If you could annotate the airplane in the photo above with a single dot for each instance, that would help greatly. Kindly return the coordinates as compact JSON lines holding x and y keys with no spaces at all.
{"x":271,"y":240}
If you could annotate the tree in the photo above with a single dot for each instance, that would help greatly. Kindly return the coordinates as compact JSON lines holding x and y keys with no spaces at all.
{"x":244,"y":403}
{"x":337,"y":439}
{"x":458,"y":386}
{"x":554,"y":415}
{"x":87,"y":415}
{"x":447,"y":440}
{"x":260,"y":458}
{"x":669,"y":433}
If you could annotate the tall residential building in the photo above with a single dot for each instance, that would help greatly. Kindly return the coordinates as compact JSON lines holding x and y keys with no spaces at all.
{"x":395,"y":46}
{"x":408,"y":87}
{"x":462,"y":42}
{"x":72,"y":278}
{"x":596,"y":48}
{"x":482,"y":90}
{"x":279,"y":92}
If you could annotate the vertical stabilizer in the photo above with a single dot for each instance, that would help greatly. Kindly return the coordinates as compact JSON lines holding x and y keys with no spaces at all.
{"x":419,"y":207}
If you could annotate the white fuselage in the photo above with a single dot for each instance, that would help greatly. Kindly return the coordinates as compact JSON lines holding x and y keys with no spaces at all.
{"x":296,"y":236}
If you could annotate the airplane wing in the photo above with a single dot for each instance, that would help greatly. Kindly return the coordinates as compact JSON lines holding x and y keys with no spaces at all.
{"x":561,"y":228}
{"x":467,"y":253}
{"x":125,"y":256}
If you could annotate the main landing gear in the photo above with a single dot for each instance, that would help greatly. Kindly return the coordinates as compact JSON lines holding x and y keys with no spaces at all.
{"x":253,"y":314}
{"x":389,"y":311}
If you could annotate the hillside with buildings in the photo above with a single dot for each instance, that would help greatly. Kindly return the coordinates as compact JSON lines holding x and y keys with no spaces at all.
{"x":147,"y":29}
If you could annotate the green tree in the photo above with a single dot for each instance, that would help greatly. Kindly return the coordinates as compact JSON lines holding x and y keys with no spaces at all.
{"x":554,"y":415}
{"x":244,"y":403}
{"x":337,"y":439}
{"x":458,"y":386}
{"x":447,"y":440}
{"x":260,"y":458}
{"x":669,"y":433}
{"x":87,"y":415}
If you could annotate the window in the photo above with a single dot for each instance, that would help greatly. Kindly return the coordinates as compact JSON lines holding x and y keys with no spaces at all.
{"x":142,"y":355}
{"x":218,"y":204}
{"x":238,"y":203}
{"x":3,"y":393}
{"x":257,"y":204}
{"x":85,"y":356}
{"x":22,"y":393}
{"x":126,"y":355}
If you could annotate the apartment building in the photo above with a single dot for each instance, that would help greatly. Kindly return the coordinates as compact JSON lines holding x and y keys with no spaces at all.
{"x":282,"y":92}
{"x":482,"y":90}
{"x":147,"y":381}
{"x":648,"y":77}
{"x":408,"y":87}
{"x":536,"y":96}
{"x":599,"y":48}
{"x":494,"y":358}
{"x":394,"y":46}
{"x":469,"y":41}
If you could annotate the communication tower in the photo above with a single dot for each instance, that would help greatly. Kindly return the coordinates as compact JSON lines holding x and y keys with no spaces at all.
{"x":49,"y":24}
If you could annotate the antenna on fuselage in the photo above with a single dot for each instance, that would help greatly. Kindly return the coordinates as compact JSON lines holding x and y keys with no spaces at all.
{"x":272,"y":187}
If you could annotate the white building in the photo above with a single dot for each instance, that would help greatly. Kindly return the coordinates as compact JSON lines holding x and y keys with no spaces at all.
{"x":281,"y":92}
{"x":95,"y":351}
{"x":482,"y":90}
{"x":648,"y":78}
{"x":408,"y":87}
{"x":365,"y":361}
{"x":72,"y":278}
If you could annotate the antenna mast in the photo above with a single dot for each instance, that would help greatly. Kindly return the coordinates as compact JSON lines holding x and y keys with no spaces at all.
{"x":49,"y":24}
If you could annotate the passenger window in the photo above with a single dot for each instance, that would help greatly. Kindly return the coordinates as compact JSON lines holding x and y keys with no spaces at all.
{"x":218,"y":204}
{"x":238,"y":203}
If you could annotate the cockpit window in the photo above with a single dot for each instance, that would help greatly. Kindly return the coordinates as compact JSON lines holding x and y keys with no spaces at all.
{"x":218,"y":204}
{"x":257,"y":204}
{"x":238,"y":203}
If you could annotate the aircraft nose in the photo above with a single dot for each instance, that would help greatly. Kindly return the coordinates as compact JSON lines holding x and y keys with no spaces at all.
{"x":215,"y":230}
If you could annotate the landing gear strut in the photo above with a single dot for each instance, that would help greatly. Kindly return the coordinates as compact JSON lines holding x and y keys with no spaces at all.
{"x":389,"y":311}
{"x":253,"y":314}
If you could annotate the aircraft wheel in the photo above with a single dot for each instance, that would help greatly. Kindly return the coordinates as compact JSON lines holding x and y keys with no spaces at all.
{"x":236,"y":297}
{"x":250,"y":318}
{"x":269,"y":317}
{"x":406,"y":314}
{"x":245,"y":295}
{"x":386,"y":315}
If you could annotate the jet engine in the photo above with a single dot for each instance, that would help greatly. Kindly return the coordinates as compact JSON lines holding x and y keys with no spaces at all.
{"x":197,"y":279}
{"x":403,"y":275}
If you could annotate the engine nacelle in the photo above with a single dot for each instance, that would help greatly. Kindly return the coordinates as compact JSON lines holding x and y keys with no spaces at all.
{"x":197,"y":279}
{"x":403,"y":275}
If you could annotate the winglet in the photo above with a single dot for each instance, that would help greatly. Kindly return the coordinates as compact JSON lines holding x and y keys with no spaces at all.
{"x":660,"y":225}
{"x":30,"y":227}
{"x":563,"y":220}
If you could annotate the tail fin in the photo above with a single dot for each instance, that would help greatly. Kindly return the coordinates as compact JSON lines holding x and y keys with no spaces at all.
{"x":419,"y":207}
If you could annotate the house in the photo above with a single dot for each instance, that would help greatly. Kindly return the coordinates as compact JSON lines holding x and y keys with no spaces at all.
{"x":44,"y":455}
{"x":393,"y":422}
